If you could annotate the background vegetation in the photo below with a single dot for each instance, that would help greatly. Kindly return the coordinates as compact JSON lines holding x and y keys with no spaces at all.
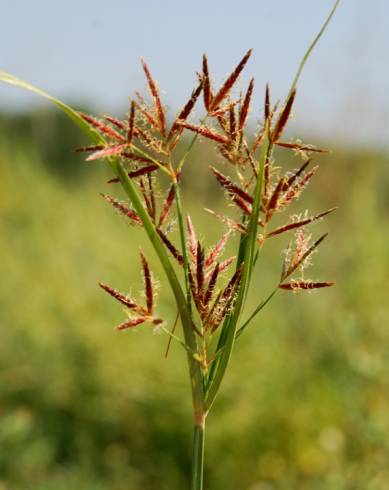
{"x":305,"y":404}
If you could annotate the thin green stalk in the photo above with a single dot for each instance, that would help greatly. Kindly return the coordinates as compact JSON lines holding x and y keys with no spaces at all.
{"x":249,"y":246}
{"x":255,"y":313}
{"x":181,"y":227}
{"x":309,"y":50}
{"x":198,"y":456}
{"x":186,"y":318}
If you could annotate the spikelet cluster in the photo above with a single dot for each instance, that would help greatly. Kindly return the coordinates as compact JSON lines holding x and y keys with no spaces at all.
{"x":145,"y":143}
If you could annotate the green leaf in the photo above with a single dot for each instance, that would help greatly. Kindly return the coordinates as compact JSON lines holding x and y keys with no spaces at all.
{"x":74,"y":115}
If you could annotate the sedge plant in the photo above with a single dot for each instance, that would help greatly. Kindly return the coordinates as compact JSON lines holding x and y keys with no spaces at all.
{"x":209,"y":290}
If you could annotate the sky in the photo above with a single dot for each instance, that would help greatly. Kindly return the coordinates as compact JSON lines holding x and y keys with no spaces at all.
{"x":90,"y":50}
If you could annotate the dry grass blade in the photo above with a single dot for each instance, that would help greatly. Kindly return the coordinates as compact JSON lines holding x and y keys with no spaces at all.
{"x":228,"y":84}
{"x":283,"y":118}
{"x":123,"y":209}
{"x":157,"y":101}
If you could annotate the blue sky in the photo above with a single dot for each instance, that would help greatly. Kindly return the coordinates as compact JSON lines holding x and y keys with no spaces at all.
{"x":91,"y":49}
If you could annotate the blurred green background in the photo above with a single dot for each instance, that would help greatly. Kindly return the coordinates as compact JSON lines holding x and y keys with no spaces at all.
{"x":305,"y":404}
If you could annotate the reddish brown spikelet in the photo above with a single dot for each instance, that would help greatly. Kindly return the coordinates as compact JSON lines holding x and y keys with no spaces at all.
{"x":200,"y":267}
{"x":137,"y":173}
{"x":226,"y":263}
{"x":123,"y":209}
{"x":211,"y":285}
{"x":232,"y":224}
{"x":147,"y":198}
{"x":267,"y":102}
{"x":294,"y":266}
{"x":299,"y":146}
{"x":106,"y":152}
{"x":230,"y":186}
{"x":148,"y":283}
{"x":217,"y":250}
{"x":115,"y":122}
{"x":232,"y":285}
{"x":299,"y":186}
{"x":149,"y":117}
{"x":186,"y":110}
{"x":125,"y":300}
{"x":172,"y":249}
{"x":132,"y":323}
{"x":192,"y":236}
{"x":90,"y":148}
{"x":232,"y":127}
{"x":137,"y":158}
{"x":167,"y":205}
{"x":206,"y":82}
{"x":246,"y":208}
{"x":131,"y":123}
{"x":296,"y":285}
{"x":296,"y":174}
{"x":272,"y":205}
{"x":102,"y":128}
{"x":228,"y":84}
{"x":298,"y":224}
{"x":157,"y":101}
{"x":206,"y":132}
{"x":244,"y":111}
{"x":212,"y":319}
{"x":283,"y":118}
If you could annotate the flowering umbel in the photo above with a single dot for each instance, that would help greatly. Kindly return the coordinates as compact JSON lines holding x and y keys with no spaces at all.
{"x":259,"y":190}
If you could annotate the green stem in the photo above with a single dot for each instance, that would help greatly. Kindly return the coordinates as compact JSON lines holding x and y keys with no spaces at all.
{"x":249,"y":249}
{"x":186,"y":318}
{"x":198,"y":456}
{"x":312,"y":45}
{"x":181,"y":226}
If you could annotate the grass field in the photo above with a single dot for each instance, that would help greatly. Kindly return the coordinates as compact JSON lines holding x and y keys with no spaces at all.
{"x":305,"y":404}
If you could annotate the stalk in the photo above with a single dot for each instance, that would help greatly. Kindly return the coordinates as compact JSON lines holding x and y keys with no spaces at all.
{"x":198,"y":456}
{"x":186,"y":318}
